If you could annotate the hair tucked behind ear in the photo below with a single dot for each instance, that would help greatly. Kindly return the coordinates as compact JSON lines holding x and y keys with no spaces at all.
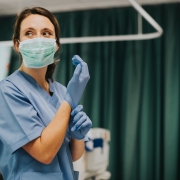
{"x":40,"y":11}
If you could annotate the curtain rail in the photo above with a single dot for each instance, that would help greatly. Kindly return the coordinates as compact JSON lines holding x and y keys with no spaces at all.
{"x":130,"y":37}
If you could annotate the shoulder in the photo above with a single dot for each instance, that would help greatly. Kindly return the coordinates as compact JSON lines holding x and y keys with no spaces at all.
{"x":7,"y":82}
{"x":11,"y":79}
{"x":15,"y":74}
{"x":9,"y":85}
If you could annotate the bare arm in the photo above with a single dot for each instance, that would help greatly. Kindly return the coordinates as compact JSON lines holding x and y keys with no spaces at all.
{"x":45,"y":147}
{"x":76,"y":148}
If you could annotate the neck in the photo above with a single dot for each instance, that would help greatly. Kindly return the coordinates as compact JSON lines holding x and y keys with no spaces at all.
{"x":38,"y":75}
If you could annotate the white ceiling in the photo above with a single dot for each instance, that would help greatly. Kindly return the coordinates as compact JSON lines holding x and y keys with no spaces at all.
{"x":10,"y":7}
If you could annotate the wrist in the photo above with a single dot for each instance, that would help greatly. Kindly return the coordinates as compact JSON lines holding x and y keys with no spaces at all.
{"x":68,"y":100}
{"x":73,"y":140}
{"x":68,"y":103}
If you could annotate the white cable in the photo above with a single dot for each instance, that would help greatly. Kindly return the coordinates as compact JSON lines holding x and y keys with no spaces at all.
{"x":130,"y":37}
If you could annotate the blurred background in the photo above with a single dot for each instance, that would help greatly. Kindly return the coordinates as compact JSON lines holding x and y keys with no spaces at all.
{"x":134,"y":89}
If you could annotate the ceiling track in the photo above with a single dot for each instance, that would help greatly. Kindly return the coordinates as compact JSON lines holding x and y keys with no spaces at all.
{"x":129,"y":37}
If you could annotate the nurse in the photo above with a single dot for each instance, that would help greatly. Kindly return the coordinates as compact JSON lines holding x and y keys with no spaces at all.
{"x":42,"y":127}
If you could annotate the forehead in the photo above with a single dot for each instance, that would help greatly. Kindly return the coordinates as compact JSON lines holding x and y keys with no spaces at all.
{"x":36,"y":21}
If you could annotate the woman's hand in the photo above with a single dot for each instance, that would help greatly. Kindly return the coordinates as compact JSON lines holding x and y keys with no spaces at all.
{"x":79,"y":124}
{"x":77,"y":84}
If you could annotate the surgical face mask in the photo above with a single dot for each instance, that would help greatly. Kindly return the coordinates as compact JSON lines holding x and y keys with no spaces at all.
{"x":38,"y":52}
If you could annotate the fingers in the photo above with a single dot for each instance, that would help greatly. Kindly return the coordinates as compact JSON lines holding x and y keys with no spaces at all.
{"x":77,"y":117}
{"x":85,"y":71}
{"x":76,"y":60}
{"x":86,"y":124}
{"x":77,"y":70}
{"x":76,"y":110}
{"x":83,"y":122}
{"x":78,"y":124}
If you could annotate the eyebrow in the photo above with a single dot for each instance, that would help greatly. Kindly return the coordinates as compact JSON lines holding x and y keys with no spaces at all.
{"x":29,"y":28}
{"x":44,"y":29}
{"x":48,"y":30}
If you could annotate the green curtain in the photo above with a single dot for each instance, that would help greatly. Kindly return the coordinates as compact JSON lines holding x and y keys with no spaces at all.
{"x":134,"y":89}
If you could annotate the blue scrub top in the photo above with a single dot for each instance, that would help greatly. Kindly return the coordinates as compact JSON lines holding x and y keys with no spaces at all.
{"x":25,"y":110}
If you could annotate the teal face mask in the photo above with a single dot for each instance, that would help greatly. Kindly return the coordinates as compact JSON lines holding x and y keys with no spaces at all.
{"x":38,"y":52}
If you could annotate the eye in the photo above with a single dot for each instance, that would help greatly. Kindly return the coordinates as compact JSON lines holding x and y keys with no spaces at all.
{"x":29,"y":33}
{"x":46,"y":33}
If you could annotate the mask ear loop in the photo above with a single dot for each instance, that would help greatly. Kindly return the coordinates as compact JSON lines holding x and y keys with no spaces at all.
{"x":18,"y":41}
{"x":20,"y":56}
{"x":57,"y":60}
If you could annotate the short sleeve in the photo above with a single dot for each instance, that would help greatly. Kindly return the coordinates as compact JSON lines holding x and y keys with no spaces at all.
{"x":19,"y":121}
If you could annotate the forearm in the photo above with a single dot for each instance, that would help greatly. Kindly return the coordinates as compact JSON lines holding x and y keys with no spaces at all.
{"x":76,"y":148}
{"x":47,"y":145}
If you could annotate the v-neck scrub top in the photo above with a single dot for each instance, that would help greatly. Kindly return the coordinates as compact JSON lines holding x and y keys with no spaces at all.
{"x":25,"y":110}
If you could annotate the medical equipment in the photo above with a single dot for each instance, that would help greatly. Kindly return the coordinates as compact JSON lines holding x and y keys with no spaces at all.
{"x":139,"y":36}
{"x":94,"y":162}
{"x":38,"y":52}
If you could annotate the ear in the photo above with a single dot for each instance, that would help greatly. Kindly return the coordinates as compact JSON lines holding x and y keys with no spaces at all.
{"x":16,"y":45}
{"x":57,"y":47}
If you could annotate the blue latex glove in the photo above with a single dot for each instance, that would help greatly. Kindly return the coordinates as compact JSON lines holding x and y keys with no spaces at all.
{"x":79,"y":124}
{"x":77,"y":84}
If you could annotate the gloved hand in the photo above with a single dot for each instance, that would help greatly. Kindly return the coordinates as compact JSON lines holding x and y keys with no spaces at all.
{"x":77,"y":84}
{"x":79,"y":124}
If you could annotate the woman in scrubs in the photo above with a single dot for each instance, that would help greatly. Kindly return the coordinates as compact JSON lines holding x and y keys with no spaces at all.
{"x":42,"y":127}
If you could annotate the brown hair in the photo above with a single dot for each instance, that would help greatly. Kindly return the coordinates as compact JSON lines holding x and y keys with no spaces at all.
{"x":41,"y":11}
